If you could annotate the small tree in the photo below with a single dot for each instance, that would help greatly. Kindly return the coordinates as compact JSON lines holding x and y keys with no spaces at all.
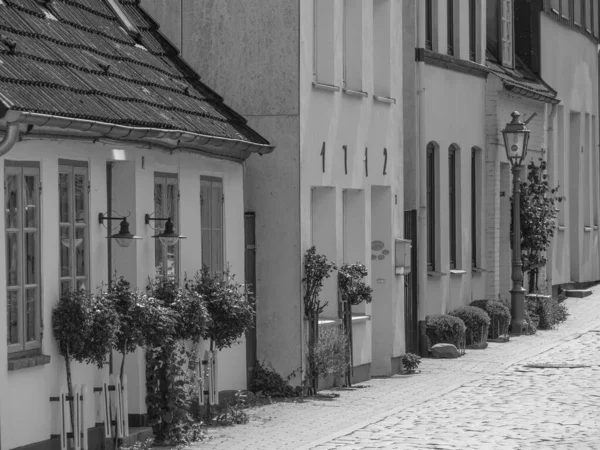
{"x":86,"y":330}
{"x":538,"y":214}
{"x":354,"y":291}
{"x":316,"y":269}
{"x":228,"y":304}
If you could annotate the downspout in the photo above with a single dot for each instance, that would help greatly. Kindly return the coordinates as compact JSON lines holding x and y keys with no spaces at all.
{"x":421,"y":161}
{"x":551,"y":162}
{"x":11,"y":137}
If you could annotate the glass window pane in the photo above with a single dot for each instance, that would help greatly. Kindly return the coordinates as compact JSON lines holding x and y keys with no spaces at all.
{"x":80,"y":197}
{"x":158,"y":198}
{"x":13,"y":317}
{"x":171,"y":252}
{"x":81,"y":284}
{"x":31,"y":314}
{"x":11,"y":201}
{"x":31,"y":201}
{"x":65,"y":252}
{"x":171,"y":201}
{"x":63,"y":195}
{"x":31,"y":252}
{"x":65,"y":286}
{"x":12,"y":259}
{"x":80,"y":256}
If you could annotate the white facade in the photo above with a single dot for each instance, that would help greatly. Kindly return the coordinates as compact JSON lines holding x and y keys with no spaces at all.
{"x":26,"y":416}
{"x":310,"y":82}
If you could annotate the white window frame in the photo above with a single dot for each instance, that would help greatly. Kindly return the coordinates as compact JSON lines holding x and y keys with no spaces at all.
{"x":207,"y":224}
{"x":161,"y":250}
{"x":73,"y":168}
{"x":22,"y":169}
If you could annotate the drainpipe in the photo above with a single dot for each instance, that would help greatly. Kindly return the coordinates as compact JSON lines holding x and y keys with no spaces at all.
{"x":550,"y":158}
{"x":421,"y":161}
{"x":10,"y":138}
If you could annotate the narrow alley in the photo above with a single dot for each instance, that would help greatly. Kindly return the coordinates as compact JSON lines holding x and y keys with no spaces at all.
{"x":501,"y":397}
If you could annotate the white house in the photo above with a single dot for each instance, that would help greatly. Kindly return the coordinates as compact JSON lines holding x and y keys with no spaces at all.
{"x":99,"y":117}
{"x":322,"y":79}
{"x":560,"y":43}
{"x":443,"y":182}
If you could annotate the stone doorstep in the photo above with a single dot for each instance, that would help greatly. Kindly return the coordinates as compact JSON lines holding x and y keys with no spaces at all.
{"x":578,"y":293}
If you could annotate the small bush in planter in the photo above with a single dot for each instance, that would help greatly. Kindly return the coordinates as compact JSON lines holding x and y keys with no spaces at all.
{"x":547,"y":310}
{"x":447,"y":329}
{"x":499,"y":316}
{"x":410,"y":362}
{"x":477,"y":322}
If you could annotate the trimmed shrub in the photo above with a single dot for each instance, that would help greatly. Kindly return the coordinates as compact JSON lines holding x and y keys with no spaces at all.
{"x":546,"y":311}
{"x":499,"y":315}
{"x":445,"y":329}
{"x":477,"y":322}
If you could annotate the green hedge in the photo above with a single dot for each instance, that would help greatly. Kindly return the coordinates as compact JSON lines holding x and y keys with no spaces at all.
{"x":477,"y":322}
{"x":499,"y":315}
{"x":444,"y":329}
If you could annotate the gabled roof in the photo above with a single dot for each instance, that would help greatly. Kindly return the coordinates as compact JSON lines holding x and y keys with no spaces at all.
{"x":92,"y":62}
{"x":521,"y":80}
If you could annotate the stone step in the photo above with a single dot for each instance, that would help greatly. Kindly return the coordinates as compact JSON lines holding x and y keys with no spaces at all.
{"x":579,"y":293}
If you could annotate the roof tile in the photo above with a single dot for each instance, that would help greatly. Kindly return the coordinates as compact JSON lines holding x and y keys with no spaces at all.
{"x":86,"y":65}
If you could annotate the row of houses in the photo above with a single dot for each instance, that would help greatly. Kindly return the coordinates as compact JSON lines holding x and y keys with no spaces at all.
{"x":385,"y":118}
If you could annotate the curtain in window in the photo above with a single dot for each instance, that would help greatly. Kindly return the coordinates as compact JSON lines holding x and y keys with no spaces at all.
{"x":166,"y":205}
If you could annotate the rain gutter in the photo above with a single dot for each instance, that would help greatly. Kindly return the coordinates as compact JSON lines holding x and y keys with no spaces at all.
{"x":230,"y":148}
{"x":10,"y":138}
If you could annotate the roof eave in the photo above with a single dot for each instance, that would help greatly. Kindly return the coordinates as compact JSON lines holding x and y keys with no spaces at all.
{"x":527,"y":93}
{"x":238,"y":149}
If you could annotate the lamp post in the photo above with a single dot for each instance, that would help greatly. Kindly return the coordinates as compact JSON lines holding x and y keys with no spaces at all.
{"x":516,"y":138}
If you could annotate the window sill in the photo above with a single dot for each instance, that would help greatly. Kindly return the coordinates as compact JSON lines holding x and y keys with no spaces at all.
{"x":457,"y":272}
{"x":561,"y":228}
{"x":381,"y":99}
{"x":28,"y":361}
{"x":478,"y":270}
{"x":587,"y":229}
{"x":354,"y":93}
{"x":360,"y":318}
{"x":325,"y":87}
{"x":434,"y":274}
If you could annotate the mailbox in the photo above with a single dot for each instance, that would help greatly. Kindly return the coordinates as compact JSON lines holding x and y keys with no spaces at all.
{"x":402,"y":256}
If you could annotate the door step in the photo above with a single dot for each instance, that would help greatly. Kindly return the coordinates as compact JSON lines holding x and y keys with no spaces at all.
{"x":578,"y":293}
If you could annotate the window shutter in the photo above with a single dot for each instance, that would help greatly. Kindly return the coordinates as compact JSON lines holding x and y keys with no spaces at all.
{"x":211,"y":211}
{"x":507,"y":33}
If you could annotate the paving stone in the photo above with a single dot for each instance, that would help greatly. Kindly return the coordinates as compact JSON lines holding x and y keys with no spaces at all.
{"x":486,"y":399}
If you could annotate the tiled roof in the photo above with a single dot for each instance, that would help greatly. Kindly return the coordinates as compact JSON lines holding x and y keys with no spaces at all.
{"x":76,"y":59}
{"x":521,"y":80}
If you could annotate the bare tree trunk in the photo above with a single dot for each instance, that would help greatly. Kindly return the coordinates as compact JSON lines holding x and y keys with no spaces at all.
{"x":70,"y":389}
{"x":124,"y":352}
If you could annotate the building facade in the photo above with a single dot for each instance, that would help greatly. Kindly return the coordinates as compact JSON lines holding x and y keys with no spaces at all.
{"x":102,"y":122}
{"x":323,"y":81}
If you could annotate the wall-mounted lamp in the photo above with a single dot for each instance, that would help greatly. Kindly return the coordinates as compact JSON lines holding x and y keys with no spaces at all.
{"x":169,"y":236}
{"x":124,"y":237}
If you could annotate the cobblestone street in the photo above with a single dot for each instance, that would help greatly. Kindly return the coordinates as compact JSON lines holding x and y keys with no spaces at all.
{"x":502,"y":397}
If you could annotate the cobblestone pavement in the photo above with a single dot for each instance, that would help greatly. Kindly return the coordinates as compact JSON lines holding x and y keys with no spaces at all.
{"x":488,"y":399}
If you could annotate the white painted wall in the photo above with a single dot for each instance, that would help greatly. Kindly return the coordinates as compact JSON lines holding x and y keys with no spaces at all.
{"x":454,"y":113}
{"x":569,"y":63}
{"x":25,"y":408}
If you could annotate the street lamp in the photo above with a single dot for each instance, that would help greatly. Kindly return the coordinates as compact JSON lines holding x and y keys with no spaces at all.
{"x":516,"y":138}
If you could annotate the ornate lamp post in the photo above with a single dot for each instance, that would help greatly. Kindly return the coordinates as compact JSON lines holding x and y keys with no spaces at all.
{"x":516,"y":138}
